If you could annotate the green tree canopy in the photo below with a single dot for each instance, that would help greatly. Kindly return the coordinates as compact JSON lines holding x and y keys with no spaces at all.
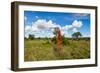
{"x":31,"y":37}
{"x":76,"y":35}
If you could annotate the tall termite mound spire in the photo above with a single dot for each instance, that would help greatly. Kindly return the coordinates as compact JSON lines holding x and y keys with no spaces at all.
{"x":58,"y":38}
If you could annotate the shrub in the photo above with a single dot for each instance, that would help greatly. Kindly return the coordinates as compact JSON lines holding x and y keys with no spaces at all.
{"x":31,"y":37}
{"x":65,"y":41}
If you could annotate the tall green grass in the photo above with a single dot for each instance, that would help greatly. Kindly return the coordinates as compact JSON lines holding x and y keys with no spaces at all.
{"x":42,"y":49}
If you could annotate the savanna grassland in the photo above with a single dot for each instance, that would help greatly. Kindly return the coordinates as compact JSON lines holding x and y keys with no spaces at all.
{"x":42,"y":49}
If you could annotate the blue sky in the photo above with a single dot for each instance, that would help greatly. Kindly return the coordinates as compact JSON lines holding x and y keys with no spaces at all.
{"x":78,"y":22}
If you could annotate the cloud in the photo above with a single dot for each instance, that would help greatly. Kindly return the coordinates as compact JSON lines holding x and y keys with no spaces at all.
{"x":81,"y":14}
{"x":41,"y":27}
{"x":25,"y":18}
{"x":37,"y":17}
{"x":75,"y":30}
{"x":28,"y":31}
{"x":77,"y":24}
{"x":27,"y":28}
{"x":43,"y":24}
{"x":67,"y":27}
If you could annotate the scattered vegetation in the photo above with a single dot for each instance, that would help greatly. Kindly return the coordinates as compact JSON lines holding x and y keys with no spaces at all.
{"x":42,"y":49}
{"x":31,"y":37}
{"x":76,"y":35}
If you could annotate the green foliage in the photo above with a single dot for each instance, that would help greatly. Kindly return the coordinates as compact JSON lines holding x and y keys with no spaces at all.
{"x":65,"y":41}
{"x":76,"y":35}
{"x":35,"y":50}
{"x":47,"y":42}
{"x":31,"y":37}
{"x":53,"y":40}
{"x":25,"y":38}
{"x":38,"y":38}
{"x":55,"y":33}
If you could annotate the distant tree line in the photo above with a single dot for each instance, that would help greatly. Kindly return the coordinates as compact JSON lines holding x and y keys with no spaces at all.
{"x":75,"y":35}
{"x":31,"y":37}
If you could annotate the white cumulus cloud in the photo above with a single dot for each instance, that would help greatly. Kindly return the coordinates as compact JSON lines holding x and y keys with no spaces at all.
{"x":75,"y":30}
{"x":77,"y":24}
{"x":27,"y":28}
{"x":67,"y":27}
{"x":39,"y":25}
{"x":42,"y":24}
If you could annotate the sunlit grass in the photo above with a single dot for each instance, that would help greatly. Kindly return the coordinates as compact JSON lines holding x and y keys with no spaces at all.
{"x":40,"y":50}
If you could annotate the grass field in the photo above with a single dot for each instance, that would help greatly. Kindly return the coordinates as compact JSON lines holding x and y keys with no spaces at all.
{"x":42,"y":49}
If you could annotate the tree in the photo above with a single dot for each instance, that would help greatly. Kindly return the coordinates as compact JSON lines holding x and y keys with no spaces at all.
{"x":25,"y":38}
{"x":31,"y":37}
{"x":76,"y":35}
{"x":39,"y":38}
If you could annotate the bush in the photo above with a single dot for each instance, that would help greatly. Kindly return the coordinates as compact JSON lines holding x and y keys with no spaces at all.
{"x":47,"y":42}
{"x":65,"y":41}
{"x":31,"y":37}
{"x":54,"y":40}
